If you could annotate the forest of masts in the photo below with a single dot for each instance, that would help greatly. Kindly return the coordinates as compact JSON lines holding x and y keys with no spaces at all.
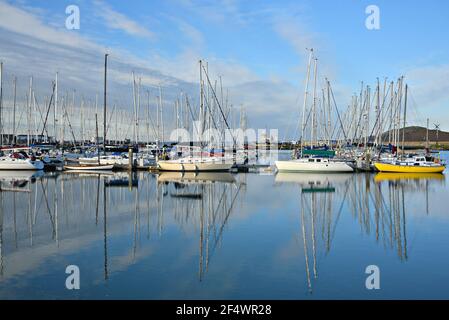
{"x":29,"y":117}
{"x":372,"y":119}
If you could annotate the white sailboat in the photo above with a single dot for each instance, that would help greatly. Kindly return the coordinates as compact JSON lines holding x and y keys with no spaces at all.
{"x":195,"y":164}
{"x":90,"y":167}
{"x":198,"y":163}
{"x":312,"y":163}
{"x":20,"y":161}
{"x":106,"y":160}
{"x":10,"y":163}
{"x":97,"y":165}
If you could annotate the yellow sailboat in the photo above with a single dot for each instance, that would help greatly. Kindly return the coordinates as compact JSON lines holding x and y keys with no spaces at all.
{"x":417,"y":164}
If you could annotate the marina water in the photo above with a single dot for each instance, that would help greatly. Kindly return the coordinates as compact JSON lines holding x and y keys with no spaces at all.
{"x":218,"y":236}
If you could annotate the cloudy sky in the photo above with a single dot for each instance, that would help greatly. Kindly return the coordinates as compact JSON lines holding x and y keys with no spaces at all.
{"x":257,"y":47}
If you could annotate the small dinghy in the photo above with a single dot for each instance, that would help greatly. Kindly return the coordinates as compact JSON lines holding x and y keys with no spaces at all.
{"x":93,"y":167}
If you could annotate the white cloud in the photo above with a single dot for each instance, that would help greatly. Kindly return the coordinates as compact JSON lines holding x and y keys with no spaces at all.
{"x":272,"y":102}
{"x":118,"y":21}
{"x":26,"y":23}
{"x":429,"y":89}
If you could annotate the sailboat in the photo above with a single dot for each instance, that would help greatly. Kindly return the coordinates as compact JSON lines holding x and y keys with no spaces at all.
{"x":198,"y":163}
{"x":20,"y":160}
{"x":313,"y":161}
{"x":195,"y":164}
{"x":415,"y":164}
{"x":98,"y":166}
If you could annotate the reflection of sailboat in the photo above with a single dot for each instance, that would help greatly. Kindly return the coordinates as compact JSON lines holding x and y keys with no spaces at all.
{"x":83,"y":172}
{"x":191,"y":177}
{"x":390,"y":176}
{"x":381,"y":210}
{"x":17,"y":181}
{"x":316,"y":179}
{"x":20,"y":175}
{"x":122,"y":180}
{"x":207,"y":199}
{"x":317,"y":208}
{"x":1,"y":235}
{"x":186,"y":195}
{"x":105,"y":234}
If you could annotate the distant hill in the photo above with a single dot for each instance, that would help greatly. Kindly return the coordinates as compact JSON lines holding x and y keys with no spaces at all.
{"x":418,"y":134}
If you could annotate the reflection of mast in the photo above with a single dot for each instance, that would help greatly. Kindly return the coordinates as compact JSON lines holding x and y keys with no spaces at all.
{"x":1,"y":234}
{"x":403,"y":222}
{"x":30,"y":215}
{"x":15,"y":218}
{"x":220,"y":211}
{"x":148,"y":205}
{"x":55,"y":199}
{"x":160,"y":205}
{"x":136,"y":225}
{"x":98,"y":200}
{"x":306,"y":255}
{"x":105,"y":234}
{"x":329,"y":219}
{"x":320,"y":210}
{"x":48,"y":209}
{"x":201,"y":234}
{"x":313,"y":235}
{"x":389,"y":215}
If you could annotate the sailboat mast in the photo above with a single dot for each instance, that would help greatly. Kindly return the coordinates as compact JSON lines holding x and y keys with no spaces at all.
{"x":161,"y":115}
{"x":328,"y":112}
{"x":138,"y":110}
{"x":201,"y":102}
{"x":405,"y":116}
{"x":104,"y":100}
{"x":1,"y":103}
{"x":134,"y":106}
{"x":313,"y":129}
{"x":29,"y":111}
{"x":14,"y":112}
{"x":378,"y":112}
{"x":96,"y":138}
{"x":306,"y":92}
{"x":55,"y":117}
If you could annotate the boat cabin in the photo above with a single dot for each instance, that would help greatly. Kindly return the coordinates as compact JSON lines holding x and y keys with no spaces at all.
{"x":318,"y":160}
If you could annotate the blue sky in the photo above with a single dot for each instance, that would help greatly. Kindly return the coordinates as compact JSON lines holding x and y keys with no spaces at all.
{"x":259,"y":47}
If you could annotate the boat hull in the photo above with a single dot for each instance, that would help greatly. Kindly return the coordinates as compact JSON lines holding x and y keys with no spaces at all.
{"x":89,"y":167}
{"x":19,"y":164}
{"x":194,"y":166}
{"x":302,"y":166}
{"x":388,"y":167}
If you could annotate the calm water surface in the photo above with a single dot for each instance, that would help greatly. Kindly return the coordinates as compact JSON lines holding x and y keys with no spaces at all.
{"x":224,"y":236}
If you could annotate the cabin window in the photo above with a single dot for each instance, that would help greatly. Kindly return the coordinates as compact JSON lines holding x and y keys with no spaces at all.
{"x":311,"y":160}
{"x":318,"y":160}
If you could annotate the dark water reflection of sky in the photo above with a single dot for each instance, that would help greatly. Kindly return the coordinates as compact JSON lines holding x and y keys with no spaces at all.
{"x":245,"y":236}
